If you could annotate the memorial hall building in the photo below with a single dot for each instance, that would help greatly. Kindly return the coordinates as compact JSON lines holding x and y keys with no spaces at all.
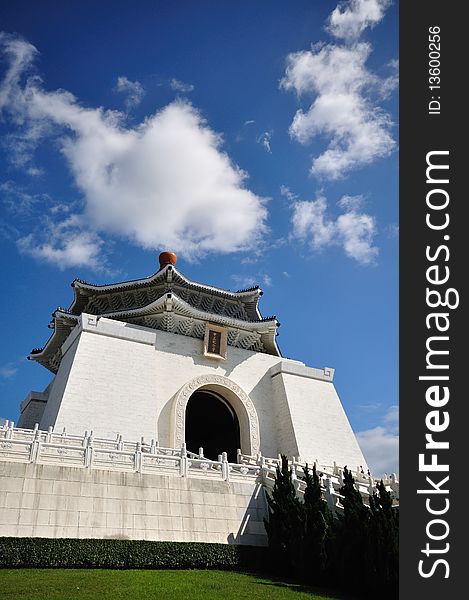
{"x":168,"y":407}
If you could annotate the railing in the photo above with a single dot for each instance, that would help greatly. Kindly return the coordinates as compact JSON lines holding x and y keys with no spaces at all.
{"x":331,"y":478}
{"x":89,"y":452}
{"x":51,"y":448}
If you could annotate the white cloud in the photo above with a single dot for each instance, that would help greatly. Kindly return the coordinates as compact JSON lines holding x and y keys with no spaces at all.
{"x":392,"y":230}
{"x":65,"y":247}
{"x":391,"y":418}
{"x":342,"y":112}
{"x":18,"y":201}
{"x":381,"y":450}
{"x":380,"y":445}
{"x":349,"y":19}
{"x":20,"y":55}
{"x":352,"y":230}
{"x":133,"y":89}
{"x":286,"y":192}
{"x":8,"y":371}
{"x":165,"y":183}
{"x":247,"y":281}
{"x":264,"y":140}
{"x":180,"y":86}
{"x":244,"y":281}
{"x":351,"y":202}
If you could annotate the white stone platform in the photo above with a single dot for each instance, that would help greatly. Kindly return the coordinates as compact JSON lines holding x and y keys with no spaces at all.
{"x":55,"y":485}
{"x":58,"y":485}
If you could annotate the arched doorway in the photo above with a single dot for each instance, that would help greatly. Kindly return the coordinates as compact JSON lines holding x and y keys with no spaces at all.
{"x":211,"y":423}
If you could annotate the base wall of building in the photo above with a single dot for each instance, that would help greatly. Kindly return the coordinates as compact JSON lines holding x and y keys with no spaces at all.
{"x":64,"y":502}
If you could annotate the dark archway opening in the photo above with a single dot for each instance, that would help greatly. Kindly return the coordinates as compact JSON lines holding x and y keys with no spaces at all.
{"x":211,"y":423}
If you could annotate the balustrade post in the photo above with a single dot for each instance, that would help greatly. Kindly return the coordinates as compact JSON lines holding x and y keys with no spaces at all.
{"x":328,"y":492}
{"x":225,"y":468}
{"x":33,"y":456}
{"x":138,"y":458}
{"x":183,"y":464}
{"x":89,"y":453}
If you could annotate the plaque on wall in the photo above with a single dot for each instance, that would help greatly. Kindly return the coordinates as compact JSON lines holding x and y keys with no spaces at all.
{"x":215,"y":341}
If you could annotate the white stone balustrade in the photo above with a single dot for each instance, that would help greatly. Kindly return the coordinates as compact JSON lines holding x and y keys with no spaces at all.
{"x":331,"y":478}
{"x":52,"y":448}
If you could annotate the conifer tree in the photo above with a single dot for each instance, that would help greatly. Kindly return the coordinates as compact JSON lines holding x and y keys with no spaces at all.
{"x":318,"y":529}
{"x":285,"y":525}
{"x":385,"y":535}
{"x":353,"y":548}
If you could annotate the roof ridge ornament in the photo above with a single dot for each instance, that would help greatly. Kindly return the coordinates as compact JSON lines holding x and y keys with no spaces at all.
{"x":167,"y":258}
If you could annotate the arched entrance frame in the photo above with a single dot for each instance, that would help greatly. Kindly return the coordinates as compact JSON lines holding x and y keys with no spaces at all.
{"x":239,"y":400}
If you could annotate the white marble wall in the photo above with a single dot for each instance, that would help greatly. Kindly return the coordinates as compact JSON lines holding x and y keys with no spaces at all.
{"x":53,"y":501}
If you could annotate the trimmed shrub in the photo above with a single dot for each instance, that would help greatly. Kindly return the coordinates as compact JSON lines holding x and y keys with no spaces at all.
{"x":128,"y":554}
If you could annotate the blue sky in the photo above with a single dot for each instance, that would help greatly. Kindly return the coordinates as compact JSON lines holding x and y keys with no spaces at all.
{"x":257,"y":140}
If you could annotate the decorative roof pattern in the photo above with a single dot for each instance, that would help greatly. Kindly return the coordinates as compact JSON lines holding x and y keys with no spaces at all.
{"x":167,"y":277}
{"x":166,"y":301}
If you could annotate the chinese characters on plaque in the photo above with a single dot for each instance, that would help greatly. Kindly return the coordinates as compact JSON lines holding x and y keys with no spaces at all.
{"x":215,"y":341}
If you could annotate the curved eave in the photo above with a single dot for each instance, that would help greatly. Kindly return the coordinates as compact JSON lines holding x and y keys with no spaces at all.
{"x":63,"y":324}
{"x":82,"y":288}
{"x":64,"y":321}
{"x":170,"y":302}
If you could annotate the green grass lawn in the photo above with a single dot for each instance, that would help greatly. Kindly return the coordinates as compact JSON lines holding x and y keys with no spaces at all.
{"x":90,"y":584}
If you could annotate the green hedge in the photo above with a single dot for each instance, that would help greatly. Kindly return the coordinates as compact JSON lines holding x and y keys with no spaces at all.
{"x":128,"y":554}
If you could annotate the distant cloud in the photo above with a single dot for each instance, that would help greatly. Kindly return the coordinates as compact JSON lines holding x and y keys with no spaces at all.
{"x":352,"y":230}
{"x":17,"y":200}
{"x":392,"y":230}
{"x":165,"y":183}
{"x":245,"y":130}
{"x":8,"y":370}
{"x":344,"y":111}
{"x":392,"y":417}
{"x":180,"y":86}
{"x":264,"y":140}
{"x":286,"y":192}
{"x":351,"y":202}
{"x":246,"y":281}
{"x":65,"y":244}
{"x":251,"y":259}
{"x":350,"y":19}
{"x":380,"y":445}
{"x":133,"y":89}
